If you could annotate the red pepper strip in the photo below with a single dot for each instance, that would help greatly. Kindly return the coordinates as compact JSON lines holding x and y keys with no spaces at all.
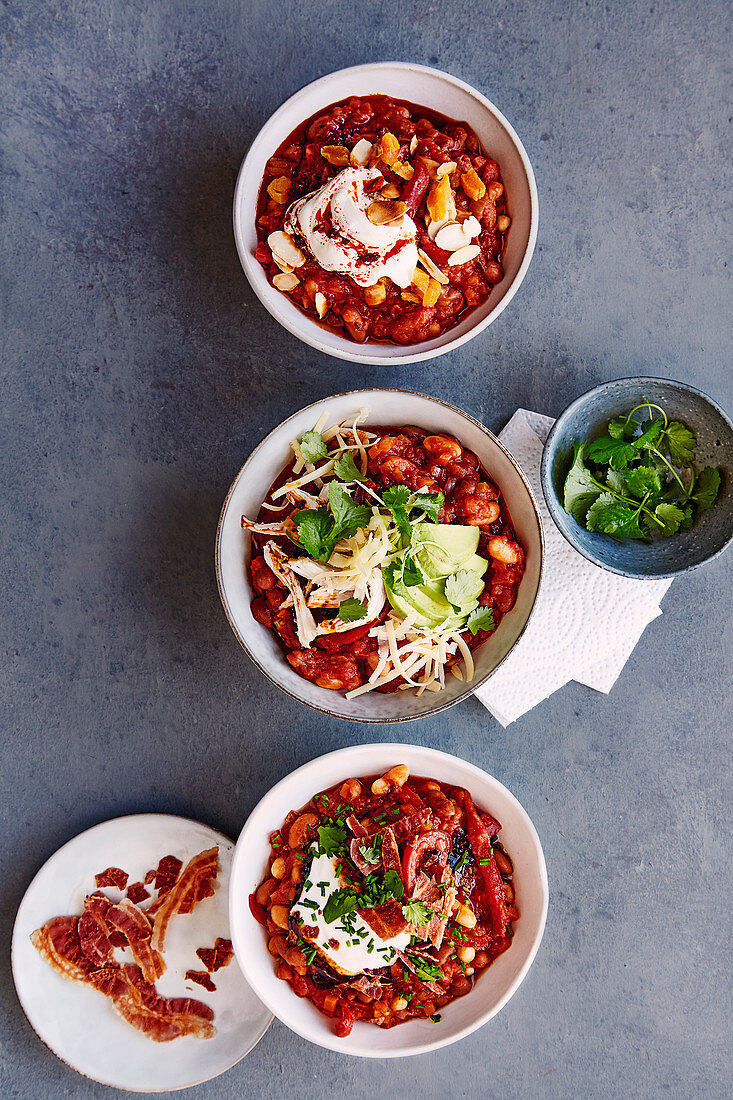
{"x":257,"y":911}
{"x":414,"y":189}
{"x":434,"y":840}
{"x":345,"y":1024}
{"x":344,"y":637}
{"x":439,"y":255}
{"x":480,"y":841}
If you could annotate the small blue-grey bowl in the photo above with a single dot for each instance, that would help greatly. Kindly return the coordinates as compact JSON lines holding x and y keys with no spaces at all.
{"x":586,"y":418}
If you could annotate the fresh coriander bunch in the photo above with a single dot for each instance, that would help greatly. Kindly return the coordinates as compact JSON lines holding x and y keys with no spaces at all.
{"x":639,"y":480}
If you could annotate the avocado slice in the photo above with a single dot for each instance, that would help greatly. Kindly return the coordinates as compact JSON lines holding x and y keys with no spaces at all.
{"x":445,"y":547}
{"x":427,"y":600}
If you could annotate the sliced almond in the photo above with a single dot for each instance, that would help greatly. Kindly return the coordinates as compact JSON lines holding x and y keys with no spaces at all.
{"x":283,"y":245}
{"x":452,"y":237}
{"x":471,"y":226}
{"x":321,"y":304}
{"x":431,"y":267}
{"x":431,"y":165}
{"x":361,"y":152}
{"x":445,"y":169}
{"x":464,"y":255}
{"x":286,"y":281}
{"x":413,"y":144}
{"x":285,"y":268}
{"x":382,"y":213}
{"x":390,"y":191}
{"x":335,"y":154}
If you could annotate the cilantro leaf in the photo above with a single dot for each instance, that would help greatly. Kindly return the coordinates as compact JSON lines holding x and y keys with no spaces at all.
{"x":348,"y":517}
{"x":616,"y":481}
{"x":351,"y":610}
{"x":649,"y":435}
{"x":687,"y":520}
{"x":339,"y":903}
{"x":580,"y":487}
{"x":680,"y":442}
{"x":315,"y":532}
{"x":411,"y":572}
{"x":671,"y":516}
{"x":396,"y":496}
{"x":618,"y":427}
{"x":642,"y":480}
{"x":463,"y":588}
{"x":346,"y":469}
{"x":416,"y":912}
{"x":392,"y":885}
{"x":610,"y":517}
{"x":331,"y":840}
{"x":313,"y":446}
{"x":707,"y":487}
{"x":425,"y":970}
{"x":430,"y":504}
{"x":372,"y":853}
{"x":609,"y":450}
{"x":480,"y":619}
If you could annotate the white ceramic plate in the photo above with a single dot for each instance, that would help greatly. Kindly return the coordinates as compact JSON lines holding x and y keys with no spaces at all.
{"x":493,"y":989}
{"x":78,"y":1023}
{"x":257,"y":475}
{"x":427,"y":88}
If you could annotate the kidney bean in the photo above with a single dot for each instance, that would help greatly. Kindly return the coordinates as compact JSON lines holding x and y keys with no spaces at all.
{"x":262,"y":613}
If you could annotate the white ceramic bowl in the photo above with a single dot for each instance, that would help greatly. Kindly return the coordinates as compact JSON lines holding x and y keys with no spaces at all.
{"x":494,"y":988}
{"x":426,"y":88}
{"x":257,"y":475}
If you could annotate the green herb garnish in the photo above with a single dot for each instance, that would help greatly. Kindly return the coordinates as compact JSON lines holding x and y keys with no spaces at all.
{"x":346,"y":469}
{"x":425,"y":970}
{"x":639,"y":480}
{"x":319,"y":529}
{"x":313,"y":446}
{"x":350,"y":611}
{"x":331,"y":840}
{"x":481,"y":618}
{"x":416,"y":912}
{"x":463,"y":588}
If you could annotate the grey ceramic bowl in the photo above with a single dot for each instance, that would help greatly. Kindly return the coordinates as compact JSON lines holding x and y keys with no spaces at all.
{"x":586,"y":418}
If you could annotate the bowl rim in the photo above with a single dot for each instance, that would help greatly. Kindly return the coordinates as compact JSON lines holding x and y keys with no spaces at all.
{"x":553,"y":503}
{"x":308,"y":332}
{"x":435,"y":757}
{"x":476,"y":684}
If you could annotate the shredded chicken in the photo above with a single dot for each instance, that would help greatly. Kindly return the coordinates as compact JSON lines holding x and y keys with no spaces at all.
{"x":278,"y":562}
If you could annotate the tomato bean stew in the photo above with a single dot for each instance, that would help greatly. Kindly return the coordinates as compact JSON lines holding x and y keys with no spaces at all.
{"x":384,"y":220}
{"x":385,"y":898}
{"x":382,"y":557}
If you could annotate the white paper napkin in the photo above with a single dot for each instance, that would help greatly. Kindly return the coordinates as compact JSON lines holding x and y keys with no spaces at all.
{"x":586,"y":621}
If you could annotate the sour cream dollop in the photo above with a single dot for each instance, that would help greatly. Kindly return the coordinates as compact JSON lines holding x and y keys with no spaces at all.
{"x":333,"y":223}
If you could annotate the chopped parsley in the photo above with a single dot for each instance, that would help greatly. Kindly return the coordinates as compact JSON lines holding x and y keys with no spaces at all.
{"x":351,"y":610}
{"x":331,"y":839}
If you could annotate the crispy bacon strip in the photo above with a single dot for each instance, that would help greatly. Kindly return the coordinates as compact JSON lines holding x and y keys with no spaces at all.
{"x":135,"y":927}
{"x":391,"y":860}
{"x":94,"y":936}
{"x":58,"y":943}
{"x":161,"y":1018}
{"x":358,"y":860}
{"x":195,"y":884}
{"x":216,"y":957}
{"x":386,"y":920}
{"x":167,"y":872}
{"x":356,"y":826}
{"x":113,"y":876}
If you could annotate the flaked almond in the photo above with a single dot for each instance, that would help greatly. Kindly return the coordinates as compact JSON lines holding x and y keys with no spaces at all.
{"x":383,"y":213}
{"x":335,"y":154}
{"x":431,"y":165}
{"x":321,"y":304}
{"x":452,"y":237}
{"x":390,"y":191}
{"x":286,"y":281}
{"x":283,"y":246}
{"x":359,"y":155}
{"x":413,"y":144}
{"x":431,"y":267}
{"x":445,"y":169}
{"x":472,"y":226}
{"x":464,"y":255}
{"x":375,"y":295}
{"x":496,"y":190}
{"x":285,"y":268}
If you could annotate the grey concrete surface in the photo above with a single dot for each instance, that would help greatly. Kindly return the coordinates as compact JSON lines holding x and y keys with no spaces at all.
{"x":138,"y":371}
